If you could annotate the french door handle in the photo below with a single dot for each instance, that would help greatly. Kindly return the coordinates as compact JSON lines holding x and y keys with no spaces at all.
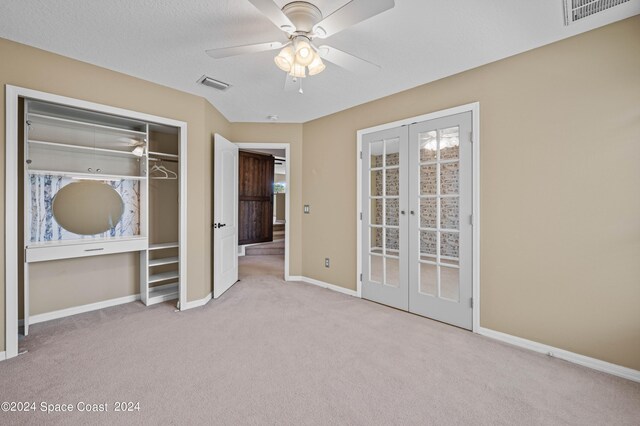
{"x":401,"y":211}
{"x":412,"y":212}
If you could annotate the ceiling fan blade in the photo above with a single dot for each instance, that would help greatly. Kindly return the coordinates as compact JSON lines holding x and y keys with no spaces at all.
{"x":225,"y":52}
{"x":274,"y":13}
{"x":347,"y":60}
{"x":350,"y":14}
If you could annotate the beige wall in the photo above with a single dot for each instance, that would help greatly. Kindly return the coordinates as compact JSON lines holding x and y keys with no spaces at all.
{"x":36,"y":69}
{"x":282,"y":133}
{"x":560,"y":172}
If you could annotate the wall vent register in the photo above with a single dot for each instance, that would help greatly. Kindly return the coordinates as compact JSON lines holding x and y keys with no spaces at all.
{"x":575,"y":10}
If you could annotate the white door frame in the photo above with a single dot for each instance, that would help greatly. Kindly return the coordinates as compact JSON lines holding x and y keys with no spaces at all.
{"x":474,"y":108}
{"x":12,"y":95}
{"x":287,"y":227}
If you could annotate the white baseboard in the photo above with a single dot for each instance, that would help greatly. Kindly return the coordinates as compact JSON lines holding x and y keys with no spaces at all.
{"x":3,"y":356}
{"x":195,"y":303}
{"x":596,"y":364}
{"x":48,"y":316}
{"x":323,"y":284}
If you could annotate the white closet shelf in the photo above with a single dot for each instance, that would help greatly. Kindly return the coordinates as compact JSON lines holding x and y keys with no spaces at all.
{"x":59,"y":120}
{"x":161,"y":246}
{"x":164,"y":261}
{"x":163,"y":293}
{"x":84,"y":175}
{"x":69,"y":147}
{"x":162,"y":154}
{"x":163,"y":276}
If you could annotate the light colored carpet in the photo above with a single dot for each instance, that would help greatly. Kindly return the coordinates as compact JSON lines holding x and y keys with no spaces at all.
{"x":270,"y":352}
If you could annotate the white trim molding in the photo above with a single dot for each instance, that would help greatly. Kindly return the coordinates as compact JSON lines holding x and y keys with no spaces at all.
{"x":474,"y":108}
{"x":585,"y":361}
{"x":67,"y":312}
{"x":3,"y":356}
{"x":323,"y":284}
{"x":196,"y":303}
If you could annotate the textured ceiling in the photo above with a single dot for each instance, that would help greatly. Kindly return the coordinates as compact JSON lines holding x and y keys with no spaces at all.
{"x":165,"y":41}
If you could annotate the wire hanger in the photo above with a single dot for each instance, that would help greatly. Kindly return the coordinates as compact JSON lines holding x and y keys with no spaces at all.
{"x":166,"y":173}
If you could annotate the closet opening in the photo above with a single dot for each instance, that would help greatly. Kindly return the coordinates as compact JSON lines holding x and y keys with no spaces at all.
{"x":95,"y":211}
{"x":263,"y":208}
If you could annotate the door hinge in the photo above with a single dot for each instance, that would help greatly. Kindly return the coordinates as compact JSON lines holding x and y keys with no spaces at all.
{"x":361,"y":155}
{"x":360,"y":277}
{"x":360,"y":215}
{"x":471,"y":302}
{"x":471,"y":137}
{"x":471,"y":219}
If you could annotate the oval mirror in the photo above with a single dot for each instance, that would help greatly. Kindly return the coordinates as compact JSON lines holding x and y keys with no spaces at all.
{"x":87,"y":207}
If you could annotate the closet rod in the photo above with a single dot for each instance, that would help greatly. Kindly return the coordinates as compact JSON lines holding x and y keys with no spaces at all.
{"x":162,"y":159}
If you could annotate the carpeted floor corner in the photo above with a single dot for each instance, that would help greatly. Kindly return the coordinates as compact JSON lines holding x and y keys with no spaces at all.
{"x":272,"y":352}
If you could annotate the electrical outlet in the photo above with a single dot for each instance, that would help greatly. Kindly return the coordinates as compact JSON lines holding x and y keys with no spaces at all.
{"x":326,"y":262}
{"x":307,"y":209}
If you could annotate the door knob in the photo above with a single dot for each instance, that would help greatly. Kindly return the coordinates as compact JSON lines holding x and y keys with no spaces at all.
{"x":412,"y":212}
{"x":401,"y":211}
{"x":219,"y":225}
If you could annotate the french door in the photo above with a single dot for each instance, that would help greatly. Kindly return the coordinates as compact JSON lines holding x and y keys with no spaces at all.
{"x":417,"y":206}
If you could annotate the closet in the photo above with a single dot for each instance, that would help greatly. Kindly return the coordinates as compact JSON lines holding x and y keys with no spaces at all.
{"x":98,"y":181}
{"x":417,"y":218}
{"x":160,"y":263}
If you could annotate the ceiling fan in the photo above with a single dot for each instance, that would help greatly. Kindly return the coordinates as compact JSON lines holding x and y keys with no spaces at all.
{"x":302,"y":22}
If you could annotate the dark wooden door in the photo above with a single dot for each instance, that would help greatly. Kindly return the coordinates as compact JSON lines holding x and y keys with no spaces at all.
{"x":255,"y":194}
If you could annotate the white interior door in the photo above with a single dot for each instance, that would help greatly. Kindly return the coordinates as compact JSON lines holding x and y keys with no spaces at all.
{"x":384,"y":218}
{"x":440,"y":204}
{"x":225,"y":215}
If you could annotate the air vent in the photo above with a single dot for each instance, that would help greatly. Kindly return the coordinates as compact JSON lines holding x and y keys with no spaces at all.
{"x":575,"y":10}
{"x":212,"y":82}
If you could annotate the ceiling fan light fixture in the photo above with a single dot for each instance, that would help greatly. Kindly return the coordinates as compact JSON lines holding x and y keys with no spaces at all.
{"x":285,"y":59}
{"x":304,"y":53}
{"x":298,"y":71}
{"x":316,"y":66}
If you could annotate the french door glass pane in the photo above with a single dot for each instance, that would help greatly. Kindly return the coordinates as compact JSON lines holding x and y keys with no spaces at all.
{"x":392,"y":241}
{"x":428,"y":183}
{"x":376,"y":269}
{"x":428,"y":279}
{"x":449,"y":143}
{"x":450,"y":283}
{"x":449,"y":242}
{"x":428,"y":213}
{"x":393,"y":182}
{"x":449,"y":178}
{"x":376,"y":240}
{"x":449,"y":213}
{"x":392,"y":156}
{"x":377,"y":177}
{"x":392,"y":275}
{"x":375,"y":214}
{"x":428,"y":242}
{"x":376,"y":150}
{"x":392,"y":214}
{"x":428,"y":146}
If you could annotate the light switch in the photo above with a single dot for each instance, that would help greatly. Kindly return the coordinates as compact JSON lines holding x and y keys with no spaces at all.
{"x":307,"y":209}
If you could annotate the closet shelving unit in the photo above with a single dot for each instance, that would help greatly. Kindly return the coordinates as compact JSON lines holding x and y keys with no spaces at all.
{"x":78,"y":144}
{"x":160,"y":265}
{"x":62,"y":141}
